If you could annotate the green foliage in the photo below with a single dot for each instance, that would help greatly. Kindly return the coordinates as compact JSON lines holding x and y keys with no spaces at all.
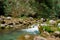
{"x":43,"y":8}
{"x":58,"y":29}
{"x":7,"y":7}
{"x":48,"y":29}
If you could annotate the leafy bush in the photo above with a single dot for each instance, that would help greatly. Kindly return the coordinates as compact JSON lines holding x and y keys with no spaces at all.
{"x":41,"y":8}
{"x":48,"y":29}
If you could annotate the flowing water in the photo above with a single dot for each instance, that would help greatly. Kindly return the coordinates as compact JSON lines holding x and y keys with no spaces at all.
{"x":14,"y":35}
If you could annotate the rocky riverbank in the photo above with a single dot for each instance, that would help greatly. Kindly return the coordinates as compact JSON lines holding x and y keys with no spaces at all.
{"x":10,"y":23}
{"x":49,"y":29}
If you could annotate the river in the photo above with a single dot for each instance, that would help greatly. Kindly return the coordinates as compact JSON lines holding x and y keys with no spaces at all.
{"x":14,"y":35}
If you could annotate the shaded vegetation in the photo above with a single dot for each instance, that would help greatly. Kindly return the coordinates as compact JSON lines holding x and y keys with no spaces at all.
{"x":1,"y":8}
{"x":31,"y":8}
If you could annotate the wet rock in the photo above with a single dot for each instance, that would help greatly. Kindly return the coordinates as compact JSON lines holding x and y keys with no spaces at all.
{"x":34,"y":29}
{"x":39,"y":38}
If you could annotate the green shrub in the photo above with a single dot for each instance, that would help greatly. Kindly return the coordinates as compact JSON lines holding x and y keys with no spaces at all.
{"x":43,"y":8}
{"x":48,"y":29}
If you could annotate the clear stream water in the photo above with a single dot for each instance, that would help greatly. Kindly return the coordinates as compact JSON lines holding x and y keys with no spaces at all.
{"x":14,"y":35}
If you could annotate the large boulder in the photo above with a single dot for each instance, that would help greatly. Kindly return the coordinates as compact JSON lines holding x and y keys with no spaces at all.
{"x":57,"y":34}
{"x":52,"y":22}
{"x":58,"y":25}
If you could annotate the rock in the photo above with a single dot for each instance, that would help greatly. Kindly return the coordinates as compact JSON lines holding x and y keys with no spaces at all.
{"x":16,"y":23}
{"x":3,"y":25}
{"x":43,"y":20}
{"x":10,"y":24}
{"x":31,"y":18}
{"x":8,"y":18}
{"x":20,"y":22}
{"x":58,"y":25}
{"x":34,"y":29}
{"x":27,"y":36}
{"x":46,"y":33}
{"x":39,"y":38}
{"x":2,"y":22}
{"x":34,"y":25}
{"x":52,"y":22}
{"x":44,"y":24}
{"x":0,"y":18}
{"x":56,"y":34}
